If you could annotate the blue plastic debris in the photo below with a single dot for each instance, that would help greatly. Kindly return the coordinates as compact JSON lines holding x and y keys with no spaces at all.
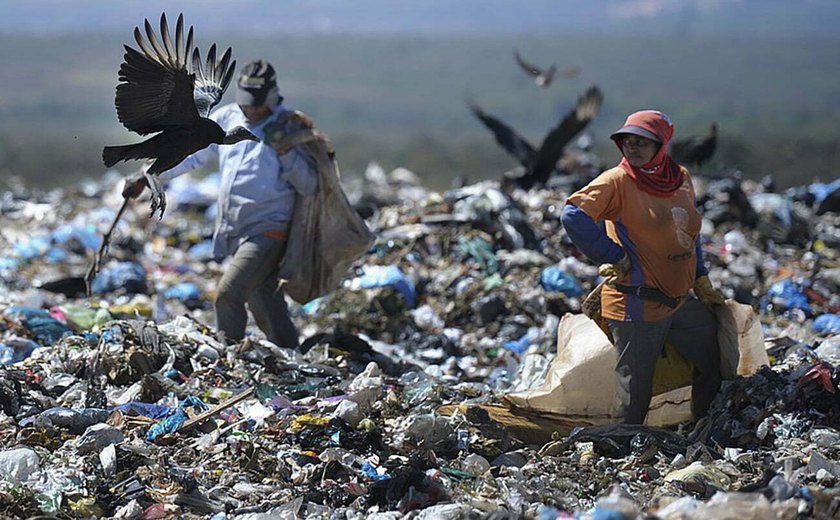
{"x":827,"y":323}
{"x":380,"y":276}
{"x":520,"y":345}
{"x":183,"y":291}
{"x":370,"y":471}
{"x":85,"y":236}
{"x":15,"y":350}
{"x":202,"y":250}
{"x":789,"y":295}
{"x":34,"y":248}
{"x":47,"y":330}
{"x":129,"y":276}
{"x":555,"y":279}
{"x":173,"y":422}
{"x":152,"y":411}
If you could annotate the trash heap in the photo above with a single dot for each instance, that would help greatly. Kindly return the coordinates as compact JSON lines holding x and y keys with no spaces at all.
{"x":127,"y":404}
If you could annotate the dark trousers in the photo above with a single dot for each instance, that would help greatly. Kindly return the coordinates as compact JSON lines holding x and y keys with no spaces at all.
{"x":692,"y":330}
{"x":252,"y":277}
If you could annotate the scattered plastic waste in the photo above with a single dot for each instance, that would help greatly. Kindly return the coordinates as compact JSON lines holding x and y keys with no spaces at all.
{"x":402,"y":400}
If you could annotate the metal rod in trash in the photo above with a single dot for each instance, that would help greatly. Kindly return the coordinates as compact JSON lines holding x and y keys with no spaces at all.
{"x":103,"y":248}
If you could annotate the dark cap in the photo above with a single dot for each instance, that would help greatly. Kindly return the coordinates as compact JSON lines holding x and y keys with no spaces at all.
{"x":257,"y":79}
{"x":635,"y":130}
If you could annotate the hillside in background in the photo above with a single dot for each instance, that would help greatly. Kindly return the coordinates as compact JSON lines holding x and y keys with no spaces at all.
{"x":401,"y":100}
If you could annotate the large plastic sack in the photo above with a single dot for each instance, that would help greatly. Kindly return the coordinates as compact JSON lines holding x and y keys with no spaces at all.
{"x":581,"y":382}
{"x":327,"y":235}
{"x":581,"y":379}
{"x":741,"y":340}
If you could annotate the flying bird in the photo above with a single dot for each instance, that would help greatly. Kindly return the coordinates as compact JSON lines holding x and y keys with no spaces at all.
{"x":165,"y":89}
{"x":542,"y":77}
{"x":540,"y":162}
{"x":696,"y":149}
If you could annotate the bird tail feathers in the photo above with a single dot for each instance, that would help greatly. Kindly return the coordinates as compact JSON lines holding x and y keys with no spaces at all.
{"x":111,"y":155}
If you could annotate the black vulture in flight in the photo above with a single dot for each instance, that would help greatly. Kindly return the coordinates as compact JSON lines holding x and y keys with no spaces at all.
{"x":542,"y":77}
{"x":540,"y":163}
{"x":696,"y":149}
{"x":165,"y":89}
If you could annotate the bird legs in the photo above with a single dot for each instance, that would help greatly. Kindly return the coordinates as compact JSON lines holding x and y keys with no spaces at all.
{"x":158,"y":197}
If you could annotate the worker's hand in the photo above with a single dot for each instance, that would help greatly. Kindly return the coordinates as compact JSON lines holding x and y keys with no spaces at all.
{"x":706,"y":292}
{"x":613,"y":273}
{"x":134,"y":186}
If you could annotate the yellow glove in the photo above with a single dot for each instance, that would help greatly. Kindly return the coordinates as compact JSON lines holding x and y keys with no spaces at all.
{"x":706,"y":292}
{"x":613,"y":273}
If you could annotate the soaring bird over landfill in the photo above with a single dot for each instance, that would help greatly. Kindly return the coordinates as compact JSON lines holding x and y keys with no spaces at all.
{"x":540,"y":162}
{"x":695,"y":149}
{"x":543,"y":77}
{"x":161,"y":90}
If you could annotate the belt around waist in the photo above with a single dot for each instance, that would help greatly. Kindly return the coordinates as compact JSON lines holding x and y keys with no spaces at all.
{"x":648,"y":293}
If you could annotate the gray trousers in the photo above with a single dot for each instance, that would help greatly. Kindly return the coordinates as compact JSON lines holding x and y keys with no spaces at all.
{"x":252,"y":277}
{"x":692,"y":330}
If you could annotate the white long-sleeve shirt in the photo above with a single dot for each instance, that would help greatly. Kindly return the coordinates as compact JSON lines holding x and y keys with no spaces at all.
{"x":257,"y":186}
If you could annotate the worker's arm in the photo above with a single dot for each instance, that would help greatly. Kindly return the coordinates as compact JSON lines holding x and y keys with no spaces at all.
{"x":588,"y":237}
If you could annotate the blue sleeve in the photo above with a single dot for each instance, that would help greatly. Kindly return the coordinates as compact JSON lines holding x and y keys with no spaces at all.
{"x":702,"y":270}
{"x":192,"y":162}
{"x":588,"y":237}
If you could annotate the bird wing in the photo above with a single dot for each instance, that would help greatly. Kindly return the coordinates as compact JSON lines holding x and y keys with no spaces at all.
{"x":695,"y":149}
{"x":515,"y":144}
{"x":684,"y":151}
{"x":531,"y":69}
{"x":211,"y":79}
{"x":155,"y":89}
{"x":571,"y":125}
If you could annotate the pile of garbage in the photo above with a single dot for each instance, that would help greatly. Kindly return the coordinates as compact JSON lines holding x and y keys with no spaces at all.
{"x":127,"y":404}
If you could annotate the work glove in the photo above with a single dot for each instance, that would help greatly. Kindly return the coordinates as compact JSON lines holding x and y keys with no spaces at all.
{"x":613,"y":273}
{"x":134,"y":186}
{"x":706,"y":292}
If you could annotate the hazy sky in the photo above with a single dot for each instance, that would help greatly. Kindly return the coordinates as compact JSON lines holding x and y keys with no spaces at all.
{"x":746,"y":17}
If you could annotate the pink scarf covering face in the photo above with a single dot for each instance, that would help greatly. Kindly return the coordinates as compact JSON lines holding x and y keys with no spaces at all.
{"x":662,"y":176}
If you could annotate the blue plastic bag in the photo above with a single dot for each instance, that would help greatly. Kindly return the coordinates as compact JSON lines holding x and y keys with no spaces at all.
{"x":15,"y":350}
{"x":790,"y":294}
{"x":152,"y":411}
{"x":827,"y":323}
{"x":183,"y":291}
{"x":173,"y":422}
{"x":555,"y":279}
{"x":380,"y":276}
{"x":47,"y":330}
{"x":129,"y":276}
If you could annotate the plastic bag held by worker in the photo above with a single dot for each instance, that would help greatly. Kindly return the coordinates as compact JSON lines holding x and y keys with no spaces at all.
{"x":327,"y":235}
{"x":741,"y":340}
{"x":581,"y":380}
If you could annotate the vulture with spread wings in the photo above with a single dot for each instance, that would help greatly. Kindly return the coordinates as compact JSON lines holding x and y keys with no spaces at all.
{"x":695,"y":150}
{"x":540,"y":162}
{"x":543,"y":77}
{"x":166,"y":90}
